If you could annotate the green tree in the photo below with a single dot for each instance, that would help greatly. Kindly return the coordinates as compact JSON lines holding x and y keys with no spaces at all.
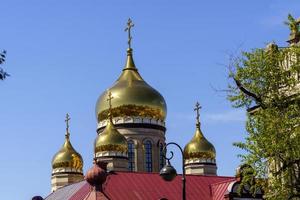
{"x":267,"y":83}
{"x":3,"y":74}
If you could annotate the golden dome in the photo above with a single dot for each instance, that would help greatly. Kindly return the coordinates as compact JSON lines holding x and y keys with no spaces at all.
{"x":67,"y":156}
{"x":199,"y":147}
{"x":132,"y":96}
{"x":111,"y":140}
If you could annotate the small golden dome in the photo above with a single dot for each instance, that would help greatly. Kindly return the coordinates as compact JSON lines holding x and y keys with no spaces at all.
{"x":132,"y":96}
{"x":67,"y":156}
{"x":111,"y":140}
{"x":199,"y":147}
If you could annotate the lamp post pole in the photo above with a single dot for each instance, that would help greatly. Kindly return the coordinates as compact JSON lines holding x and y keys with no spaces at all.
{"x":183,"y":169}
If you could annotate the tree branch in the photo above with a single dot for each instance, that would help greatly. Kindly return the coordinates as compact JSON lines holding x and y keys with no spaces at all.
{"x":247,"y":92}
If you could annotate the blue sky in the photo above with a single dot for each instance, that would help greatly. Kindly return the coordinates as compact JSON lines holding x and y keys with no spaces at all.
{"x":63,"y":54}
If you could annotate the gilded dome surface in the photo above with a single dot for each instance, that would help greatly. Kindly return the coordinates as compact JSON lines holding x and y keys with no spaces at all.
{"x":199,"y":147}
{"x":67,"y":156}
{"x":132,"y":96}
{"x":111,"y":140}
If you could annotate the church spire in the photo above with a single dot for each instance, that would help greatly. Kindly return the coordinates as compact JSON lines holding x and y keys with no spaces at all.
{"x":129,"y":63}
{"x":199,"y":153}
{"x":67,"y":163}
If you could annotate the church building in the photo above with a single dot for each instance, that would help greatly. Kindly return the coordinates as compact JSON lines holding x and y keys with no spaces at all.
{"x":129,"y":151}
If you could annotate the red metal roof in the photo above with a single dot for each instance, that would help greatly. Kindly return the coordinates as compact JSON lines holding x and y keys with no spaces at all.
{"x":220,"y":189}
{"x":143,"y":186}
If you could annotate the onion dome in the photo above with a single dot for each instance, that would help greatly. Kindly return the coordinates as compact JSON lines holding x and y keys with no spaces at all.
{"x":67,"y":156}
{"x":199,"y":147}
{"x":96,"y":176}
{"x":133,"y":96}
{"x":110,"y":139}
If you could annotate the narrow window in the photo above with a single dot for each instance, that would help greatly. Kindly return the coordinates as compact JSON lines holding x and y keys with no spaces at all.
{"x":131,"y":164}
{"x":148,"y":156}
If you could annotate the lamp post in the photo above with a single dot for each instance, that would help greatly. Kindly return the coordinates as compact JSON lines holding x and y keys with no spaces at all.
{"x":168,"y":172}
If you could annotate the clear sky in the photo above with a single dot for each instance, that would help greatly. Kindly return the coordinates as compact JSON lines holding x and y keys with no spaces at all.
{"x":63,"y":54}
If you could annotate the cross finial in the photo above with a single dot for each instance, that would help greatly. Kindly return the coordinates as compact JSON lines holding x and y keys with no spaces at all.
{"x":109,"y":98}
{"x":128,"y":29}
{"x":197,"y":109}
{"x":67,"y":125}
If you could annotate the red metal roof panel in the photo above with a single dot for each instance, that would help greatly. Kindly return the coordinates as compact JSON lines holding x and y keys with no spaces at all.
{"x":220,"y":189}
{"x":144,"y":186}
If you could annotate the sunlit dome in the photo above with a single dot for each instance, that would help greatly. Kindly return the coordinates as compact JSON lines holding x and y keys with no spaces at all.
{"x":132,"y":96}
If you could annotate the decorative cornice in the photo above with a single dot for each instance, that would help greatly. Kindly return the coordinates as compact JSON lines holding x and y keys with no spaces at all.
{"x":107,"y":154}
{"x":200,"y":161}
{"x":143,"y":122}
{"x":64,"y":173}
{"x":68,"y":170}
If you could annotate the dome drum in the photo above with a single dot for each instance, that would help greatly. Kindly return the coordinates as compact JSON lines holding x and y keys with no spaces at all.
{"x":199,"y":160}
{"x":117,"y":154}
{"x":133,"y":120}
{"x":66,"y":170}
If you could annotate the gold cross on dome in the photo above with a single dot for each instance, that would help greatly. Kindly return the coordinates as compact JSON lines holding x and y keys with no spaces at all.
{"x":128,"y":29}
{"x":67,"y":124}
{"x":197,"y":109}
{"x":109,"y":98}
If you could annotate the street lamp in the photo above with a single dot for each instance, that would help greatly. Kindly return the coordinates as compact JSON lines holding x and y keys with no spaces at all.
{"x":168,"y":172}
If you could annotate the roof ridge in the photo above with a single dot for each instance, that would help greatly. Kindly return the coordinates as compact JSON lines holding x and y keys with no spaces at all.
{"x":224,"y":181}
{"x":154,"y":173}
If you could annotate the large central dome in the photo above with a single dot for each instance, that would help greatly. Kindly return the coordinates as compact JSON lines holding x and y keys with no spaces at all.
{"x":133,"y":97}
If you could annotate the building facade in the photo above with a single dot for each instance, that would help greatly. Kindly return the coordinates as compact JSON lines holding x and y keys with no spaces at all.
{"x":129,"y":149}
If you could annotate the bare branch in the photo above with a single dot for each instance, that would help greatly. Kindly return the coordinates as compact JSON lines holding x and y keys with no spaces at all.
{"x":247,"y":92}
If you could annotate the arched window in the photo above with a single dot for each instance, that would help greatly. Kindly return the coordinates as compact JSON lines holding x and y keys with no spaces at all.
{"x":148,"y":155}
{"x":162,"y":161}
{"x":131,"y":164}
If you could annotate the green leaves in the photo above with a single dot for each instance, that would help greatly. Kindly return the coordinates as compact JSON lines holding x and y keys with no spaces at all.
{"x":269,"y":79}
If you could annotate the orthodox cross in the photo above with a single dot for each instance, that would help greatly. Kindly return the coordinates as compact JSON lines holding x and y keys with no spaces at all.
{"x":67,"y":124}
{"x":128,"y":29}
{"x":109,"y":98}
{"x":197,"y":109}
